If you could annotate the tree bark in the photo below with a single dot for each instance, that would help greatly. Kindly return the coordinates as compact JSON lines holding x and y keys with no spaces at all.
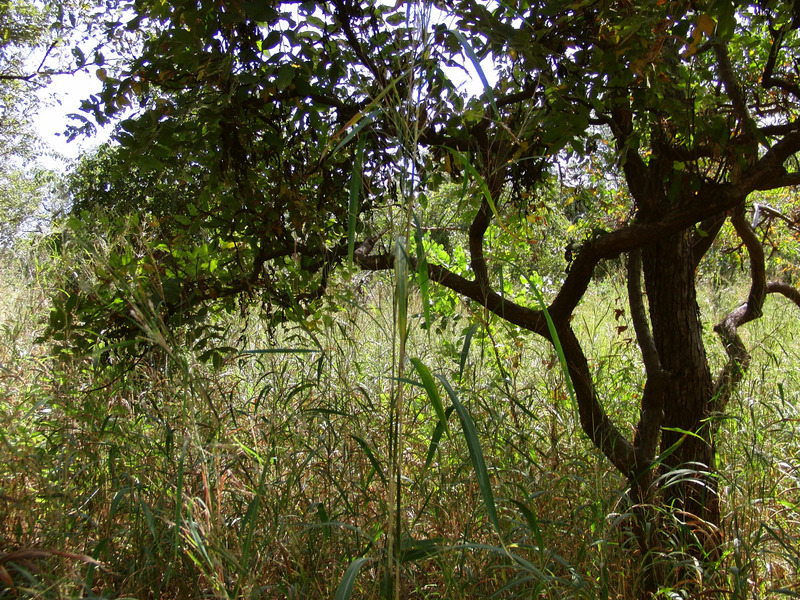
{"x":687,"y":447}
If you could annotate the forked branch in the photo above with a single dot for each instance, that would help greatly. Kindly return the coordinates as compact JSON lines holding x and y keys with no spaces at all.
{"x":594,"y":420}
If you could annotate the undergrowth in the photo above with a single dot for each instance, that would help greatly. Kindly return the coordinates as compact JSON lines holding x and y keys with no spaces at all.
{"x":266,"y":476}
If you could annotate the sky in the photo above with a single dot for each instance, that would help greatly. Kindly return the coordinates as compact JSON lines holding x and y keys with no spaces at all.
{"x":61,"y":98}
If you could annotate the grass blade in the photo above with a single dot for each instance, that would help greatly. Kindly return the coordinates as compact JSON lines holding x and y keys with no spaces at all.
{"x":536,"y":282}
{"x":465,"y":350}
{"x":362,"y":120}
{"x":483,"y":186}
{"x":176,"y":539}
{"x":422,"y":275}
{"x":437,"y":435}
{"x":401,"y":263}
{"x":355,"y":193}
{"x":345,"y":589}
{"x":478,"y":69}
{"x":371,"y":457}
{"x":430,"y":388}
{"x":250,"y":520}
{"x":476,"y":456}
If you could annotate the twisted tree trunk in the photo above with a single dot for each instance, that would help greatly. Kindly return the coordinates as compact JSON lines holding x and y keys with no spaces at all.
{"x":687,"y":447}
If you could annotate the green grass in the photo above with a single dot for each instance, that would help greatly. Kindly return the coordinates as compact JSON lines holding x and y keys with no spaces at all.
{"x":268,"y":477}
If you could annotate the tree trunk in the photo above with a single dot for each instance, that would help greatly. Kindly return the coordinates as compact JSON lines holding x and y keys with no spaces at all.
{"x":686,"y":441}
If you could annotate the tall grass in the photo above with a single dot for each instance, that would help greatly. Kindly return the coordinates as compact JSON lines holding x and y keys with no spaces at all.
{"x":268,"y":477}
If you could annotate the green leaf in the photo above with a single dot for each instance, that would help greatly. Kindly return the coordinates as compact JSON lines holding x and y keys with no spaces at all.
{"x":413,"y":550}
{"x":345,"y":588}
{"x":430,"y":388}
{"x":149,"y":162}
{"x":401,"y":263}
{"x":476,"y":456}
{"x":726,"y":18}
{"x":285,"y":77}
{"x":355,"y":193}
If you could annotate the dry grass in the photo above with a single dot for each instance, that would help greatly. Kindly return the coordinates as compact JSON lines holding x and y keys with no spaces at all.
{"x":267,"y":477}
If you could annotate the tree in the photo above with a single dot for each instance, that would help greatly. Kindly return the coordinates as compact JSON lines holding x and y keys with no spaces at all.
{"x":309,"y":123}
{"x":35,"y":37}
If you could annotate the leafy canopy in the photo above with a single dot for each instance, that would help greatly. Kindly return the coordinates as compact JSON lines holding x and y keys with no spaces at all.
{"x":254,"y":121}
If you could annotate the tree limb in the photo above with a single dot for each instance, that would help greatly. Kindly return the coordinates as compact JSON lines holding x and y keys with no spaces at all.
{"x":594,"y":420}
{"x":727,"y":329}
{"x":768,"y":172}
{"x":711,"y":200}
{"x":476,"y":233}
{"x":768,"y":79}
{"x":734,"y":90}
{"x":784,"y":289}
{"x":646,"y":434}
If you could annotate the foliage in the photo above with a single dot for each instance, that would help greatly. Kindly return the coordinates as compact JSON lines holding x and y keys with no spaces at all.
{"x":263,"y":478}
{"x":295,"y":138}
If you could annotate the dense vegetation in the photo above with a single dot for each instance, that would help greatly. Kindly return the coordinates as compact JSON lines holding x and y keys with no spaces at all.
{"x":320,"y":322}
{"x":267,"y":476}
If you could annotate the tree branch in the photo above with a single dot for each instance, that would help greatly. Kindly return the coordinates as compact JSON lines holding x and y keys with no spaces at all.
{"x":646,"y":434}
{"x":733,"y":90}
{"x":727,"y":329}
{"x":768,"y":173}
{"x":594,"y":420}
{"x":781,"y":181}
{"x":476,"y":233}
{"x":711,"y":200}
{"x":780,"y":129}
{"x":775,"y":214}
{"x":768,"y":79}
{"x":784,"y":289}
{"x":527,"y":318}
{"x":344,"y":19}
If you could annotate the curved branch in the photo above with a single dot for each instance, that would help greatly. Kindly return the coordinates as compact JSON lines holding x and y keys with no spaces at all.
{"x":783,"y":84}
{"x":727,"y":329}
{"x":594,"y":420}
{"x":768,"y":172}
{"x":344,"y":16}
{"x":771,"y":213}
{"x":780,"y":129}
{"x":784,"y":289}
{"x":516,"y":314}
{"x":652,"y":362}
{"x":711,"y":200}
{"x":782,"y":181}
{"x":768,"y":78}
{"x":516,"y":97}
{"x":758,"y":276}
{"x":476,"y":233}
